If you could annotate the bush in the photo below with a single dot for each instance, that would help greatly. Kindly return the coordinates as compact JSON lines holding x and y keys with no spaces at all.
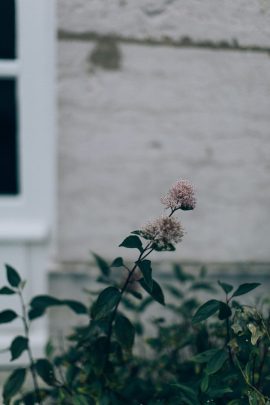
{"x":212,"y":353}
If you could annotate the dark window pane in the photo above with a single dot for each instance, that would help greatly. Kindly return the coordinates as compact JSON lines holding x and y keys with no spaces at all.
{"x":7,"y":29}
{"x":8,"y":138}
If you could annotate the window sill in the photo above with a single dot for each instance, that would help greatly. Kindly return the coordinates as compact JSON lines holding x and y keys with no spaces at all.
{"x":24,"y":231}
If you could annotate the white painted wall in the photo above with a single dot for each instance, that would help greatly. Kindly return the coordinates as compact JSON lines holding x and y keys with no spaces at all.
{"x":201,"y":114}
{"x":245,"y":21}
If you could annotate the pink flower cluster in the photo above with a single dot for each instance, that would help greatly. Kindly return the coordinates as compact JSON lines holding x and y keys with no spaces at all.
{"x":180,"y":196}
{"x":163,"y":231}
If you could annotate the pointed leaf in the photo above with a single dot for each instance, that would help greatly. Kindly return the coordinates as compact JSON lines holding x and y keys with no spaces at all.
{"x":44,"y":301}
{"x":118,"y":262}
{"x":146,"y":269}
{"x":14,"y":383}
{"x":204,"y":357}
{"x":125,"y":331}
{"x":7,"y":291}
{"x":13,"y":277}
{"x":224,"y":311}
{"x":103,"y":265}
{"x":18,"y":346}
{"x":34,"y":313}
{"x":75,"y":306}
{"x":156,"y":291}
{"x":216,"y":362}
{"x":105,"y":302}
{"x":190,"y":396}
{"x":227,"y":288}
{"x":45,"y":370}
{"x":205,"y":311}
{"x":245,"y":288}
{"x":204,"y":383}
{"x":7,"y":316}
{"x":132,"y":242}
{"x":181,"y":275}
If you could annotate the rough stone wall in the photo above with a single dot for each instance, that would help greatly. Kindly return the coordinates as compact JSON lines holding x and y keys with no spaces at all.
{"x":178,"y":88}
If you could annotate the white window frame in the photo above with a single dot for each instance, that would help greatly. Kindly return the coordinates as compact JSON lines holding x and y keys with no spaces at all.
{"x":27,"y":220}
{"x":29,"y":215}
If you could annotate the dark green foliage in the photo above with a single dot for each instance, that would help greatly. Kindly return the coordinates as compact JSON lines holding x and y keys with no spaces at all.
{"x":125,"y":331}
{"x":40,"y":303}
{"x":245,"y":288}
{"x":206,"y":310}
{"x":223,"y":361}
{"x":216,"y":362}
{"x":146,"y":269}
{"x":12,"y":276}
{"x":105,"y":302}
{"x":7,"y":316}
{"x":7,"y":291}
{"x":132,"y":242}
{"x":118,"y":262}
{"x":227,"y":288}
{"x":45,"y":370}
{"x":156,"y":291}
{"x":13,"y":384}
{"x":18,"y":346}
{"x":102,"y":264}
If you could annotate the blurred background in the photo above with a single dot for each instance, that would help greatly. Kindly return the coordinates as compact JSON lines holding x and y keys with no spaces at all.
{"x":104,"y":104}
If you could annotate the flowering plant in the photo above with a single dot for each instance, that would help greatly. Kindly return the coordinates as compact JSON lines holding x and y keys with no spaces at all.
{"x":187,"y":362}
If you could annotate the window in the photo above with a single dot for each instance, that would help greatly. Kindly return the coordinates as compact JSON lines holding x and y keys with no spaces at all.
{"x":26,"y":115}
{"x":27,"y":149}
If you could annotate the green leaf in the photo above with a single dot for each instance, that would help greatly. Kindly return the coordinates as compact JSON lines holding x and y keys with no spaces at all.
{"x":245,"y":288}
{"x":132,"y":242}
{"x":7,"y":316}
{"x":45,"y":370}
{"x":82,"y":400}
{"x":146,"y":269}
{"x":18,"y":346}
{"x":135,"y":294}
{"x":98,"y":354}
{"x":224,"y":311}
{"x":118,"y":262}
{"x":41,"y":302}
{"x":34,"y":313}
{"x":190,"y":396}
{"x":7,"y":291}
{"x":14,"y":383}
{"x":181,"y":275}
{"x":105,"y":302}
{"x":205,"y":356}
{"x":204,"y":383}
{"x":125,"y":331}
{"x":219,"y":392}
{"x":174,"y":291}
{"x":103,"y":265}
{"x":227,"y":288}
{"x":75,"y":306}
{"x":205,"y":311}
{"x":202,"y":285}
{"x":13,"y":277}
{"x":216,"y":362}
{"x":156,"y":291}
{"x":44,"y":301}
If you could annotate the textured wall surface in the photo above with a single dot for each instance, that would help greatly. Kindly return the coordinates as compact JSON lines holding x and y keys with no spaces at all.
{"x":241,"y":20}
{"x":130,"y":129}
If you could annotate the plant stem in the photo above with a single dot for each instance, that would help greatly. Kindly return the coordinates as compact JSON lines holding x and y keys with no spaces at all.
{"x":246,"y":380}
{"x":29,"y":351}
{"x":122,"y":291}
{"x":229,"y":336}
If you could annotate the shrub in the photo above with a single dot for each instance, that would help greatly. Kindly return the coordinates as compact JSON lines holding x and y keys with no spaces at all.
{"x":201,"y":354}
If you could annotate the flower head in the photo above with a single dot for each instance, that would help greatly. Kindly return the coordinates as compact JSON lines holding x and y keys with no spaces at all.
{"x":163,"y":231}
{"x":180,"y":196}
